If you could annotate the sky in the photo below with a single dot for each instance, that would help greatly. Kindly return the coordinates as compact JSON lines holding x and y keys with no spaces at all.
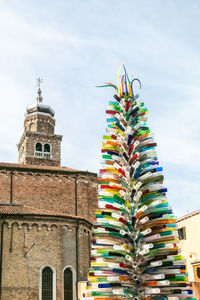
{"x":76,"y":45}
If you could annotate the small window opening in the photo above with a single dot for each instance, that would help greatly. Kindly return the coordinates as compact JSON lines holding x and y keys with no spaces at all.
{"x":38,"y":147}
{"x":182,"y":233}
{"x":46,"y":148}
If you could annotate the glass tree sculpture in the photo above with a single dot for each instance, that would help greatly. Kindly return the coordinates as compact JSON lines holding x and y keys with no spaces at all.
{"x":134,"y":251}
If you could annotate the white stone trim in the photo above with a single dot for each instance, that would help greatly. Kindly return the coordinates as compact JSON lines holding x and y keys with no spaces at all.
{"x":41,"y":113}
{"x":54,"y":281}
{"x":32,"y":156}
{"x":73,"y":280}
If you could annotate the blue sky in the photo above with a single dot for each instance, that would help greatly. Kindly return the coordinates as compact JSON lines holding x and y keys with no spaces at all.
{"x":76,"y":45}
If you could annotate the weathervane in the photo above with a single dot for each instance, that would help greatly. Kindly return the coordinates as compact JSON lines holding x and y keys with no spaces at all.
{"x":39,"y":82}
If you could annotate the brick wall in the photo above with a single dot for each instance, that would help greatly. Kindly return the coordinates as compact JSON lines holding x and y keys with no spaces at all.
{"x":5,"y":184}
{"x":40,"y":123}
{"x":51,"y":190}
{"x":27,"y":147}
{"x":42,"y":161}
{"x":32,"y":243}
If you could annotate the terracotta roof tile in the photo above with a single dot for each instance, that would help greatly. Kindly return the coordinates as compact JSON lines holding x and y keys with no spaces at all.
{"x":7,"y":209}
{"x":38,"y":167}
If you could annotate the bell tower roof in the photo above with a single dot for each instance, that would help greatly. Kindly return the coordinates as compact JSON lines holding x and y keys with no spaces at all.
{"x":39,"y":106}
{"x":39,"y":145}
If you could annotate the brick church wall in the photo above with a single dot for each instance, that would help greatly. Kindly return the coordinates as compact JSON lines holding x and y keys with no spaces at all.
{"x":49,"y":188}
{"x":31,"y":243}
{"x":5,"y":183}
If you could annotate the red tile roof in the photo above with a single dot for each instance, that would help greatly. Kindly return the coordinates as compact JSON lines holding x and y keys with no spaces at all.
{"x":7,"y":209}
{"x":39,"y":167}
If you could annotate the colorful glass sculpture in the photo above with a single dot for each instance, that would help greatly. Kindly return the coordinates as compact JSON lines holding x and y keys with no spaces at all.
{"x":135,"y":251}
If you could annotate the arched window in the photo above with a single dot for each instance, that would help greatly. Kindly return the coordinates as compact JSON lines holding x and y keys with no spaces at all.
{"x":43,"y":151}
{"x":47,"y":150}
{"x":38,"y":149}
{"x":68,"y":284}
{"x":47,"y":283}
{"x":31,"y":127}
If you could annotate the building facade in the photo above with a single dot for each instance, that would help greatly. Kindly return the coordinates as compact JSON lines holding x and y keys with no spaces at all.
{"x":190,"y":247}
{"x":46,"y":216}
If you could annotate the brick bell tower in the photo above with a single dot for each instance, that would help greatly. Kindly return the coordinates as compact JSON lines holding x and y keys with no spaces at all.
{"x":39,"y":145}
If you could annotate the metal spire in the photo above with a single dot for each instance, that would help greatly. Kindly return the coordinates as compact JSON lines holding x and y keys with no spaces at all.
{"x":39,"y":82}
